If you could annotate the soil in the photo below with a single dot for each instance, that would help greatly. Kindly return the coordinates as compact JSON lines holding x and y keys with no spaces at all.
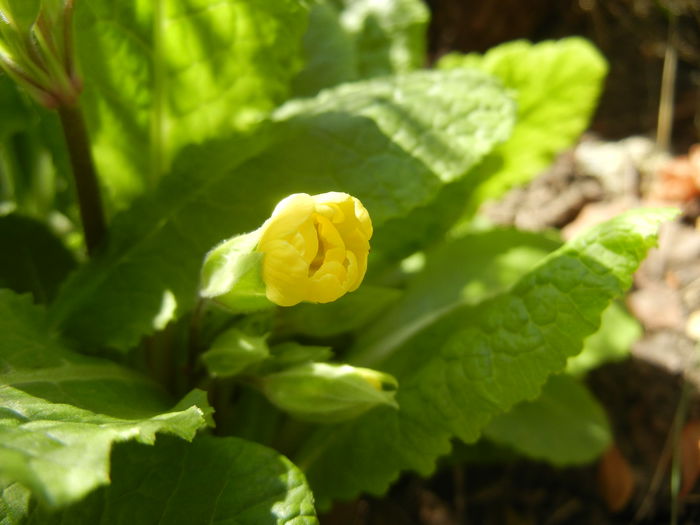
{"x":652,"y":398}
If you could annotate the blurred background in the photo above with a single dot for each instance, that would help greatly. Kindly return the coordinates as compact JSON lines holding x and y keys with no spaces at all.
{"x":638,"y":37}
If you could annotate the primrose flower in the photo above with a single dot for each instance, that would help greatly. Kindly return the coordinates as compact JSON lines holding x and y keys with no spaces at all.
{"x":315,"y":248}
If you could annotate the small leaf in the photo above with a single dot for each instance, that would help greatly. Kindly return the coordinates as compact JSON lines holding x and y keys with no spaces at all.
{"x":234,"y":351}
{"x":328,"y":393}
{"x":290,"y":353}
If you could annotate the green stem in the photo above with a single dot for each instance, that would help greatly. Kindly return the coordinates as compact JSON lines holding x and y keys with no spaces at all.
{"x":84,"y":174}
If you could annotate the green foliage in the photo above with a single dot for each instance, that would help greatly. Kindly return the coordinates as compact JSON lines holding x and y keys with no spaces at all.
{"x":612,"y":342}
{"x":467,"y":363}
{"x":233,"y":351}
{"x":32,"y":259}
{"x":565,"y":425}
{"x":557,"y":84}
{"x":353,"y":139}
{"x":162,"y":75}
{"x":196,"y":138}
{"x":348,"y":40}
{"x":350,"y":312}
{"x":212,"y":480}
{"x":60,"y":412}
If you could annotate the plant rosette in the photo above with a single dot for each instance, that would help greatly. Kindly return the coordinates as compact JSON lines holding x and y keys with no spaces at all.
{"x":313,"y":248}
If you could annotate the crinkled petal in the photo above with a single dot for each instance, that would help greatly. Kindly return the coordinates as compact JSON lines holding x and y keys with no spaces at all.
{"x":289,"y":216}
{"x":328,"y":284}
{"x":285,"y":273}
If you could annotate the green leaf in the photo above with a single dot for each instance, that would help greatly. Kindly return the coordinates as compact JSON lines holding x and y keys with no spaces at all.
{"x":60,"y":412}
{"x":424,"y":128}
{"x":14,"y":501}
{"x":612,"y":342}
{"x":20,"y":13}
{"x":557,"y":84}
{"x":329,"y":53}
{"x":389,"y":36}
{"x":565,"y":425}
{"x":475,"y":361}
{"x":291,"y":353}
{"x":32,"y":259}
{"x":211,"y":480}
{"x":349,"y":40}
{"x":234,"y":351}
{"x":328,"y":393}
{"x":468,"y":270}
{"x":164,"y":74}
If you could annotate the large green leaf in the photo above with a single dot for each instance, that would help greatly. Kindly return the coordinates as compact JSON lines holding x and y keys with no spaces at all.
{"x":163,"y":74}
{"x":565,"y":425}
{"x":211,"y":480}
{"x":60,"y":412}
{"x":475,"y":361}
{"x":557,"y":84}
{"x":349,"y":40}
{"x":390,"y":142}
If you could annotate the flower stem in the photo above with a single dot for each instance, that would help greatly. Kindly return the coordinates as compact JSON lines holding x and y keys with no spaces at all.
{"x":84,"y":175}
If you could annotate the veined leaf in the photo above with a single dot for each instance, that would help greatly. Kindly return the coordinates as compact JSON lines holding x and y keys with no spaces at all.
{"x":475,"y":361}
{"x":211,"y":480}
{"x":422,"y":129}
{"x":557,"y":84}
{"x":60,"y":412}
{"x":166,"y":73}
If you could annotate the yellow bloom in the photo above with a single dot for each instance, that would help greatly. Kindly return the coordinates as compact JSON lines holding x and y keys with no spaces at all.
{"x":315,"y":248}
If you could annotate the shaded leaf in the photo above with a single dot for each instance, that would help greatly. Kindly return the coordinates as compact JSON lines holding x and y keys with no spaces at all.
{"x":32,"y":259}
{"x":352,"y":40}
{"x":564,"y":425}
{"x":211,"y":480}
{"x":60,"y":412}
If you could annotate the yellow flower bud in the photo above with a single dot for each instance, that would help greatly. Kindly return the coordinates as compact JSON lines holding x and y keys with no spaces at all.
{"x":315,"y":248}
